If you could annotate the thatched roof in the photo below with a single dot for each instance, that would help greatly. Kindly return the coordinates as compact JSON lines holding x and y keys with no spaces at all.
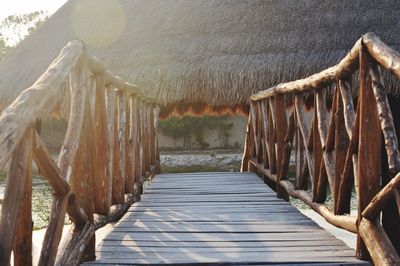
{"x":214,"y":52}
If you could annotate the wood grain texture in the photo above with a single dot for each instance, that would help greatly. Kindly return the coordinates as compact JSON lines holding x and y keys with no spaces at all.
{"x":182,"y":219}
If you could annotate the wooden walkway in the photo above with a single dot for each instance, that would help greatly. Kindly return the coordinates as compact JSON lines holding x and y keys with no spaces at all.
{"x":218,"y":218}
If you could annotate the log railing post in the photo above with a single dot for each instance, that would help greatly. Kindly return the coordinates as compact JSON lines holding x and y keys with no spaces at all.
{"x":156,"y":147}
{"x":121,"y":94}
{"x":118,"y":178}
{"x":110,"y":104}
{"x":16,"y":215}
{"x":100,"y":135}
{"x":281,"y":128}
{"x":130,"y":186}
{"x":129,"y":183}
{"x":368,"y":148}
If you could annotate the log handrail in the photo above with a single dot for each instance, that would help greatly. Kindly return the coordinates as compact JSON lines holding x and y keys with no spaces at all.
{"x":89,"y":183}
{"x":340,"y":147}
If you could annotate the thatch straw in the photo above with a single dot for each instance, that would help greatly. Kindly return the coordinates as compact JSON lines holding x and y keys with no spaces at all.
{"x":212,"y":52}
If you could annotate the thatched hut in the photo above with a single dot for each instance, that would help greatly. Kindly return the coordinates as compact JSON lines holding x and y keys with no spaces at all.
{"x":208,"y":54}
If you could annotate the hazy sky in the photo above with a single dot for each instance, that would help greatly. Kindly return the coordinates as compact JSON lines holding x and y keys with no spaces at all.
{"x":11,"y":7}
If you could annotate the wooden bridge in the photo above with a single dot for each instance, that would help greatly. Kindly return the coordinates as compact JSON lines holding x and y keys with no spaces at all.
{"x":111,"y":146}
{"x":218,"y":218}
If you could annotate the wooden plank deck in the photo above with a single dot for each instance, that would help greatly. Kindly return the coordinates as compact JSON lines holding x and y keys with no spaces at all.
{"x":214,"y":219}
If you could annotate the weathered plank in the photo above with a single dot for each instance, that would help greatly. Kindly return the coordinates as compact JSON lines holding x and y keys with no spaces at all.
{"x":182,"y":218}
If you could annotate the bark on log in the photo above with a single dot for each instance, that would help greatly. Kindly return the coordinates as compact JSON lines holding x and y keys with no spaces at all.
{"x":118,"y":183}
{"x":368,"y":148}
{"x":345,"y":67}
{"x":341,"y":143}
{"x":272,"y":138}
{"x":32,"y":102}
{"x":346,"y":222}
{"x":264,"y":117}
{"x":79,"y":237}
{"x":386,"y":119}
{"x":304,"y":133}
{"x":116,"y":212}
{"x":111,"y":117}
{"x":281,"y":128}
{"x":382,"y":53}
{"x":378,"y":244}
{"x":16,"y":212}
{"x":100,"y":135}
{"x":378,"y":202}
{"x":246,"y":152}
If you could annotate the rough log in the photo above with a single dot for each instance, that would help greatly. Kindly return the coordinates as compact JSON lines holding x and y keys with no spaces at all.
{"x":75,"y":121}
{"x":116,"y":212}
{"x":382,"y":53}
{"x":54,"y":229}
{"x":281,"y":129}
{"x":340,"y":143}
{"x":369,"y":148}
{"x":82,"y":179}
{"x":378,"y":244}
{"x":380,"y":199}
{"x":79,"y":237}
{"x":287,"y":147}
{"x":350,"y":172}
{"x":101,"y":185}
{"x":319,"y":195}
{"x":253,"y":113}
{"x":246,"y":152}
{"x":16,"y":219}
{"x":345,"y":67}
{"x":264,"y":117}
{"x":346,"y":222}
{"x":304,"y":133}
{"x":271,"y":138}
{"x":110,"y":105}
{"x":121,"y":95}
{"x":129,"y":179}
{"x":328,"y":157}
{"x":117,"y":183}
{"x":386,"y":119}
{"x":32,"y":102}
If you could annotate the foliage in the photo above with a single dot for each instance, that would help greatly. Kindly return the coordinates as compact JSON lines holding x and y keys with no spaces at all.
{"x":187,"y":127}
{"x":15,"y":28}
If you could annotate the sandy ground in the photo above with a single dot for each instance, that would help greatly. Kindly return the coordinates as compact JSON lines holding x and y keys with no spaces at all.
{"x":38,"y":235}
{"x":348,"y":238}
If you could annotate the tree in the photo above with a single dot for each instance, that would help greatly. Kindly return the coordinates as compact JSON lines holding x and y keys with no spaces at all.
{"x":15,"y":28}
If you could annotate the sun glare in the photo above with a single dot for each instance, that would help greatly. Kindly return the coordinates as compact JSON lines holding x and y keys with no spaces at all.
{"x":12,"y":7}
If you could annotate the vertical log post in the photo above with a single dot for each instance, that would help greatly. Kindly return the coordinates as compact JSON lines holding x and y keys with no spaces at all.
{"x":100,"y":156}
{"x":83,"y":170}
{"x":68,"y":150}
{"x":13,"y":197}
{"x":23,"y":232}
{"x":264,"y":117}
{"x":121,"y":94}
{"x":368,"y":148}
{"x":281,"y":128}
{"x":118,"y":181}
{"x":157,"y":148}
{"x":129,"y":179}
{"x":246,"y":153}
{"x":271,"y":137}
{"x":110,"y":104}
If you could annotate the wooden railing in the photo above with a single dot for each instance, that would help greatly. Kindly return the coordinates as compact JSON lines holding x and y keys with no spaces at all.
{"x":110,"y":144}
{"x":351,"y":140}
